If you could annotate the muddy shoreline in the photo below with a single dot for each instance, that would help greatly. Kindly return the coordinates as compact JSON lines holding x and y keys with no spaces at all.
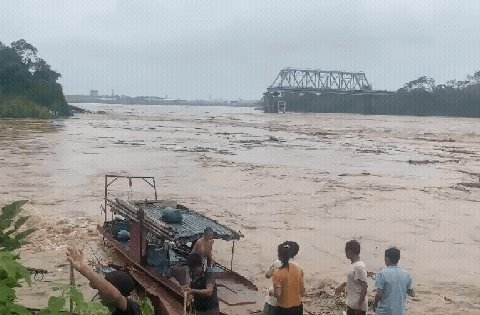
{"x":318,"y":179}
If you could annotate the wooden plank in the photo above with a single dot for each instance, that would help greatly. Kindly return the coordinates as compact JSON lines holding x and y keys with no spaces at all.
{"x":138,"y":242}
{"x":232,"y":293}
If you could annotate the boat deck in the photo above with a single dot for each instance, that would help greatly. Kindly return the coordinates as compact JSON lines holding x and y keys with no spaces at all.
{"x":162,"y":271}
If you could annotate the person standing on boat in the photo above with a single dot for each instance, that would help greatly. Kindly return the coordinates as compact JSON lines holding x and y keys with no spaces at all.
{"x":270,"y":300}
{"x":113,"y":289}
{"x":204,"y":246}
{"x":288,"y":283}
{"x":202,"y":287}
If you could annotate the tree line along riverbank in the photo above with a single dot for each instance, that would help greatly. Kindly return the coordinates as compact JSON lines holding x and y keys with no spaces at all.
{"x":419,"y":97}
{"x":29,"y":88}
{"x":28,"y":85}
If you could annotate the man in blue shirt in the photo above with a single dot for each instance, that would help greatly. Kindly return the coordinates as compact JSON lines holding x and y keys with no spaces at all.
{"x":393,"y":284}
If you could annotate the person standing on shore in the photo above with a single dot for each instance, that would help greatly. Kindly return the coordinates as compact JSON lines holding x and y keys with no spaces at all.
{"x":288,"y":283}
{"x":356,"y":283}
{"x":393,"y":284}
{"x":270,"y":300}
{"x":113,"y":289}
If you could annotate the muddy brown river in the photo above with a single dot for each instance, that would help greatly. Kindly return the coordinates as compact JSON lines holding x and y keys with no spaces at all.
{"x":318,"y":179}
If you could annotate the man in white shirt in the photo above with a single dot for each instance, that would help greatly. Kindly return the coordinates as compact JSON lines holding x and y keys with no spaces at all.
{"x":393,"y":284}
{"x":356,"y":283}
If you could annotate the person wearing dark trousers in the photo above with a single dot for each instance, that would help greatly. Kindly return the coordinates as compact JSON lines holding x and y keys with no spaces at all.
{"x":202,"y":287}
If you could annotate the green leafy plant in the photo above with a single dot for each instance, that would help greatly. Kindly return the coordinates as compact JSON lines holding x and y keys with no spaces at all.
{"x":11,"y":271}
{"x":21,"y":107}
{"x":11,"y":236}
{"x":58,"y":304}
{"x":145,"y":305}
{"x":10,"y":274}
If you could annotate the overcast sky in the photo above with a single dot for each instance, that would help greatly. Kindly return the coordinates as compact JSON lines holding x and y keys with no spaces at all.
{"x":235,"y":49}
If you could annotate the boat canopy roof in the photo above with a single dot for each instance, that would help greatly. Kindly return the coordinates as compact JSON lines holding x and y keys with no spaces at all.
{"x":190,"y":229}
{"x":193,"y":224}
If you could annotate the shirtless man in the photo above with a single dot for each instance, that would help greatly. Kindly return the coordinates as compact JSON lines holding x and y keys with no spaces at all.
{"x":203,"y":246}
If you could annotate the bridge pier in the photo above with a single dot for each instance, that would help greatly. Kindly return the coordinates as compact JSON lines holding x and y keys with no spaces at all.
{"x":270,"y":102}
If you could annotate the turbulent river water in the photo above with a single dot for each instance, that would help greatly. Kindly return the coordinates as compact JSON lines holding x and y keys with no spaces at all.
{"x":318,"y":179}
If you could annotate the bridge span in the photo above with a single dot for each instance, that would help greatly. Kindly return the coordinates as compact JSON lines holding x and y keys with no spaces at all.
{"x":292,"y":79}
{"x":320,"y":86}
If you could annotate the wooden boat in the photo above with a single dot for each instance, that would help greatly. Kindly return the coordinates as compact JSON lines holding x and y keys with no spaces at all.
{"x":155,"y":253}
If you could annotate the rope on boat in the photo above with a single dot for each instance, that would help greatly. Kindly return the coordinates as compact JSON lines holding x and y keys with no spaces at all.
{"x":233,"y":250}
{"x":184,"y":302}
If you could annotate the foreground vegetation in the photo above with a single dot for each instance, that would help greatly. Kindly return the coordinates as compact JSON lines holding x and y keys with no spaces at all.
{"x":13,"y":274}
{"x":28,"y":85}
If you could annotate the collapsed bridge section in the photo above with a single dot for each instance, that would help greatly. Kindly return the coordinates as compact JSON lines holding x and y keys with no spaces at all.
{"x":291,"y":79}
{"x":307,"y":90}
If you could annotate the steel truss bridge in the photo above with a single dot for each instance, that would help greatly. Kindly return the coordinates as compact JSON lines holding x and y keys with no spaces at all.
{"x":307,"y":80}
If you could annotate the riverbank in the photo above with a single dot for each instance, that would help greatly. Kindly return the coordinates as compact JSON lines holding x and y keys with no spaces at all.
{"x":453,"y":104}
{"x":318,"y":179}
{"x":47,"y":249}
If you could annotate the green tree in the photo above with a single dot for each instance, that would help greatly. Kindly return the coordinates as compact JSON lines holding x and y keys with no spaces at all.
{"x":419,"y":85}
{"x":26,"y":51}
{"x":24,"y":74}
{"x":14,"y":75}
{"x":475,"y":78}
{"x":43,"y":74}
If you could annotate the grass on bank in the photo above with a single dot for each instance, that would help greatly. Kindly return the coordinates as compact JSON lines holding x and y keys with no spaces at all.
{"x":21,"y":107}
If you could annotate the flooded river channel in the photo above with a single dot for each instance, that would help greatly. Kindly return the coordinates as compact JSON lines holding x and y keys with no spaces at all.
{"x":318,"y":179}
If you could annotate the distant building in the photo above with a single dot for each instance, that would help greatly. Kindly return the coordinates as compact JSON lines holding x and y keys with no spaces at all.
{"x":94,"y":93}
